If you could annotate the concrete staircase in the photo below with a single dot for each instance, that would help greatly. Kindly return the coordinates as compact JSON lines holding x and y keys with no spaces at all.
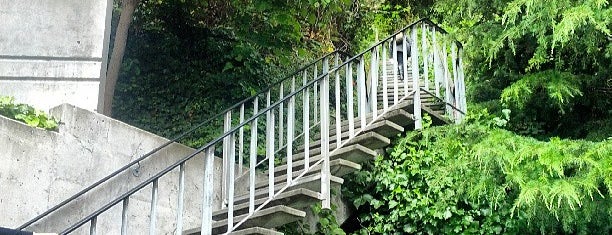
{"x":291,"y":205}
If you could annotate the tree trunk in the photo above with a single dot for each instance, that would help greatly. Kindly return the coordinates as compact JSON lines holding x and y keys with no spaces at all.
{"x":114,"y":66}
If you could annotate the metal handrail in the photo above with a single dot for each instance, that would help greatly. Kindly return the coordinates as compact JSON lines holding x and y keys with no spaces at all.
{"x":174,"y":140}
{"x":323,"y":79}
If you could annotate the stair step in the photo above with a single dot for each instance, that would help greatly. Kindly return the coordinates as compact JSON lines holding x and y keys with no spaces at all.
{"x":298,"y":198}
{"x":383,"y":127}
{"x":256,"y":231}
{"x":267,"y":218}
{"x":310,"y":182}
{"x":371,"y":140}
{"x":340,"y":166}
{"x":353,"y":154}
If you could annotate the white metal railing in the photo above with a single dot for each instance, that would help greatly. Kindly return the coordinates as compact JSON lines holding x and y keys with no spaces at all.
{"x":275,"y":127}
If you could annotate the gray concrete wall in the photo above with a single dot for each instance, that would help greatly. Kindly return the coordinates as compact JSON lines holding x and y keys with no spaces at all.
{"x":54,"y":51}
{"x":39,"y":169}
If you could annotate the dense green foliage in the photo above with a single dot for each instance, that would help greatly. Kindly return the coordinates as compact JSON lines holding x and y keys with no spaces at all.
{"x":548,"y":61}
{"x":186,"y":60}
{"x":26,"y":114}
{"x":478,"y":179}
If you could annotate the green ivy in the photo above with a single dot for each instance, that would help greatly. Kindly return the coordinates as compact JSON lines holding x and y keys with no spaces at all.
{"x":26,"y":114}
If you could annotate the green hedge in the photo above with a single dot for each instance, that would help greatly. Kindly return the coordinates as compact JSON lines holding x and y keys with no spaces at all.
{"x":26,"y":114}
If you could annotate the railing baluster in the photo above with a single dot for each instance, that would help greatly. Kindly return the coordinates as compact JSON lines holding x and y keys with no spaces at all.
{"x":337,"y":106}
{"x":447,"y":91}
{"x":438,"y":74}
{"x":124,"y":216}
{"x":290,"y":132}
{"x":349,"y":99}
{"x":361,"y":93}
{"x":241,"y":141}
{"x":281,"y":115}
{"x":207,"y":197}
{"x":405,"y":62}
{"x":270,"y":148}
{"x":230,"y":189}
{"x":306,"y":123}
{"x":92,"y":226}
{"x":253,"y":158}
{"x":395,"y":70}
{"x":463,"y":100}
{"x":181,"y":199}
{"x":415,"y":80}
{"x":325,"y":171}
{"x":315,"y":96}
{"x":455,"y":81}
{"x":425,"y":57}
{"x":227,"y":125}
{"x":374,"y":82}
{"x":153,"y":214}
{"x":385,"y":78}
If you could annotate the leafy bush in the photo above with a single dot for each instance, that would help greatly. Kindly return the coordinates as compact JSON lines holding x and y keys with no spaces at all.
{"x":26,"y":114}
{"x":477,"y":179}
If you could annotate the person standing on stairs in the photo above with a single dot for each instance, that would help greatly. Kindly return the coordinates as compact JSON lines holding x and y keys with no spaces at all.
{"x":399,"y":57}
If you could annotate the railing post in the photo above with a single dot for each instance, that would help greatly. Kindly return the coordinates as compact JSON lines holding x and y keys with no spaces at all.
{"x":405,"y":60}
{"x":241,"y":140}
{"x":438,"y":70}
{"x":153,"y":213}
{"x":374,"y":83}
{"x":425,"y":57}
{"x":395,"y":70}
{"x":349,"y":99}
{"x":290,"y":132}
{"x":124,"y":216}
{"x":230,"y":189}
{"x":181,"y":199}
{"x":338,"y":106}
{"x":462,"y":81}
{"x":418,"y":124}
{"x":361,"y":91}
{"x":455,"y":81}
{"x":281,"y":115}
{"x":270,"y":147}
{"x":208,"y":191}
{"x":385,"y":76}
{"x":447,"y":91}
{"x":306,"y":122}
{"x":253,"y":157}
{"x":325,"y":171}
{"x":227,"y":125}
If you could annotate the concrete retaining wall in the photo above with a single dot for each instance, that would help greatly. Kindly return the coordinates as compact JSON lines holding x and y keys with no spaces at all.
{"x":54,"y":51}
{"x":39,"y":169}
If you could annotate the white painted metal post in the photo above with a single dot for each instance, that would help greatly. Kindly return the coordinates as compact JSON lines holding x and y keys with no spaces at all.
{"x":227,"y":125}
{"x":153,"y":213}
{"x":306,"y":122}
{"x":181,"y":199}
{"x":374,"y":83}
{"x":270,"y":148}
{"x":455,"y":81}
{"x":385,"y":77}
{"x":425,"y":57}
{"x":395,"y":68}
{"x":337,"y":106}
{"x":92,"y":226}
{"x":230,"y":180}
{"x":281,"y":115}
{"x":462,"y":81}
{"x":447,"y":91}
{"x":349,"y":99}
{"x":208,"y":188}
{"x":438,"y":70}
{"x":124,"y":216}
{"x":361,"y":92}
{"x":325,"y":171}
{"x":418,"y":124}
{"x":241,"y":140}
{"x":290,"y":132}
{"x":253,"y":157}
{"x":405,"y":59}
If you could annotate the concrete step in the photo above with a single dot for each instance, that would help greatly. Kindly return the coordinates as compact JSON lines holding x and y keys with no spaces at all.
{"x":256,"y":231}
{"x":310,"y":182}
{"x":340,"y":166}
{"x":298,"y":198}
{"x":266,"y":218}
{"x":353,"y":154}
{"x":371,"y":140}
{"x":383,"y":127}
